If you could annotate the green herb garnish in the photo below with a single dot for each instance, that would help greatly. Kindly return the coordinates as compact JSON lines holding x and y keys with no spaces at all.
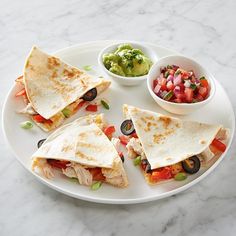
{"x":177,"y":72}
{"x":26,"y":125}
{"x":193,"y":86}
{"x":87,"y":67}
{"x":66,"y":112}
{"x":166,"y":74}
{"x":137,"y":161}
{"x":105,"y":104}
{"x":96,"y":185}
{"x":203,"y":77}
{"x":180,"y":176}
{"x":168,"y":96}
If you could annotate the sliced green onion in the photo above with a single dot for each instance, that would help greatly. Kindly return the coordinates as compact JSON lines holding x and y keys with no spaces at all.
{"x":87,"y":68}
{"x":166,"y":74}
{"x":203,"y":77}
{"x":96,"y":185}
{"x":180,"y":176}
{"x":193,"y":86}
{"x":137,"y":161}
{"x":177,"y":72}
{"x":74,"y":179}
{"x":66,"y":112}
{"x":26,"y":125}
{"x":105,"y":104}
{"x":168,"y":96}
{"x":169,"y":67}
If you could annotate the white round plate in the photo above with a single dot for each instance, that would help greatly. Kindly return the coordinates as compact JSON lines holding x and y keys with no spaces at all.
{"x":24,"y":142}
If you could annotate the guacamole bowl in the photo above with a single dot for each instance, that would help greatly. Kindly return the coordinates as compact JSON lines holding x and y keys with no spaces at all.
{"x":143,"y":53}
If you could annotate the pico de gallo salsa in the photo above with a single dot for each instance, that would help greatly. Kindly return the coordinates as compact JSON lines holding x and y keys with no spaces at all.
{"x":174,"y":84}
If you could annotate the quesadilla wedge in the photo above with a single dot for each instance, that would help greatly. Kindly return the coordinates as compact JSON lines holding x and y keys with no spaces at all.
{"x":167,"y":147}
{"x":80,"y":150}
{"x":54,"y":90}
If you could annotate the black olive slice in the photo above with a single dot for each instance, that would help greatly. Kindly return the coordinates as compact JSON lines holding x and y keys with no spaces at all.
{"x":127,"y":127}
{"x":40,"y":142}
{"x":90,"y":95}
{"x":191,"y":165}
{"x":122,"y":158}
{"x":148,"y":166}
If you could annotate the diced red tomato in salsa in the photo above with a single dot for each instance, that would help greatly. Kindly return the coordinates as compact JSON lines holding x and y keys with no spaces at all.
{"x":185,"y":86}
{"x":188,"y":94}
{"x":203,"y":91}
{"x":204,"y":83}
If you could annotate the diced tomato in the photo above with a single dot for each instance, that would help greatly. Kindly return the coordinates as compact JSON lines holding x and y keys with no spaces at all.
{"x":40,"y":119}
{"x":134,"y":135}
{"x":204,"y":83}
{"x":161,"y":174}
{"x":21,"y":93}
{"x":177,"y":100}
{"x":58,"y":163}
{"x":188,"y":94}
{"x":108,"y":131}
{"x":170,"y":85}
{"x":80,"y":105}
{"x":162,"y":82}
{"x":218,"y":145}
{"x":199,"y":97}
{"x":155,"y":82}
{"x":97,"y":174}
{"x":185,"y":75}
{"x":203,"y":91}
{"x":92,"y":108}
{"x":181,"y":96}
{"x":124,"y":139}
{"x":182,"y":87}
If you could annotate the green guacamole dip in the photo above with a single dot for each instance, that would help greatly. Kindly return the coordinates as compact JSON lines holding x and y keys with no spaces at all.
{"x":127,"y":61}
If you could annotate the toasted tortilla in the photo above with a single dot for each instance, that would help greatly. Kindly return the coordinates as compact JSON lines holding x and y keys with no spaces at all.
{"x":83,"y":142}
{"x":51,"y":84}
{"x":167,"y":140}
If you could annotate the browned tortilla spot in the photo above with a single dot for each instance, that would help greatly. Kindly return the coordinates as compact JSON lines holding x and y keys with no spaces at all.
{"x":202,"y":141}
{"x":67,"y":148}
{"x":165,"y":120}
{"x":53,"y":62}
{"x":83,"y":156}
{"x":157,"y":138}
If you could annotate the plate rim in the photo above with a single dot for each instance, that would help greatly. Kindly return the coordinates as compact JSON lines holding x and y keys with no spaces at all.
{"x":118,"y":200}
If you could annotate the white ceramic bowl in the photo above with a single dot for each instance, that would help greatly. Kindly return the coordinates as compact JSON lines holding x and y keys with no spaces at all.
{"x":187,"y":64}
{"x":128,"y":81}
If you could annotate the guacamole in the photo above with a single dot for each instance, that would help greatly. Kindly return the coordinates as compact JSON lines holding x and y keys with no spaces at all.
{"x":127,"y":61}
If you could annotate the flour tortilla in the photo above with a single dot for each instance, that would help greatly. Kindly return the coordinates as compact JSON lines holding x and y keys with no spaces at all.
{"x":83,"y":142}
{"x":167,"y":140}
{"x":51,"y":84}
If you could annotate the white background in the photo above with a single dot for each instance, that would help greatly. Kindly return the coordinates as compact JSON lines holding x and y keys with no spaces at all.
{"x":204,"y":30}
